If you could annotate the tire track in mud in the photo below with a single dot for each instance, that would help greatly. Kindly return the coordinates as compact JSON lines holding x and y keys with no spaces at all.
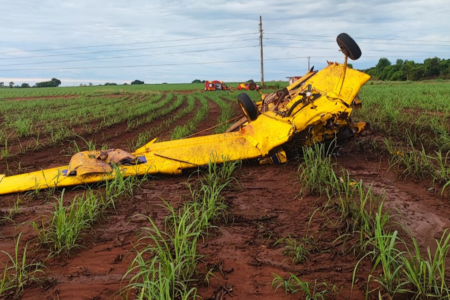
{"x":266,"y":209}
{"x":424,"y":214}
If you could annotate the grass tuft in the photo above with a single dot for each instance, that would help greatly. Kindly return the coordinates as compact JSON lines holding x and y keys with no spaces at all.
{"x":64,"y":231}
{"x":311,"y":291}
{"x":166,"y":266}
{"x":18,"y":273}
{"x":317,"y":172}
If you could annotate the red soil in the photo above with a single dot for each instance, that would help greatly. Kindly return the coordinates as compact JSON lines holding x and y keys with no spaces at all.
{"x":264,"y":209}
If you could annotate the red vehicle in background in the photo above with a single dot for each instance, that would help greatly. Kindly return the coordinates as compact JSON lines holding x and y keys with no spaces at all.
{"x":216,"y":85}
{"x":247,"y":86}
{"x":243,"y":86}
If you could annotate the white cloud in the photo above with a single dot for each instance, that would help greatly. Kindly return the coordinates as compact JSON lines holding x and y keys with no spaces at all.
{"x":54,"y":24}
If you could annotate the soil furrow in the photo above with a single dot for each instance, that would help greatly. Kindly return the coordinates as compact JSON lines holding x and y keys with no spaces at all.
{"x":120,"y":142}
{"x":54,"y":156}
{"x":165,"y":135}
{"x":15,"y":144}
{"x":211,"y":119}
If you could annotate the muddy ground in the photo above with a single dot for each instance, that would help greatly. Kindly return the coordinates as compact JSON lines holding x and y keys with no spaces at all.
{"x":264,"y":207}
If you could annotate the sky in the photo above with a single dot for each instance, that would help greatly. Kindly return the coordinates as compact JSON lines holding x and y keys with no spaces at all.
{"x":81,"y":42}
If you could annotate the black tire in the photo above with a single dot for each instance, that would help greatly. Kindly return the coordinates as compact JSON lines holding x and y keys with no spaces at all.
{"x":248,"y":107}
{"x":348,"y":46}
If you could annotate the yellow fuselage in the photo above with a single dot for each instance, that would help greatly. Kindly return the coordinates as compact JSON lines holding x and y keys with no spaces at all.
{"x":335,"y":88}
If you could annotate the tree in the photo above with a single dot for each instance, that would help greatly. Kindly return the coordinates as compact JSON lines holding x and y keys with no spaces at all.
{"x":52,"y":83}
{"x":444,"y":68}
{"x":382,"y":64}
{"x":398,"y":76}
{"x":137,"y":82}
{"x":25,"y":85}
{"x":407,"y":68}
{"x":431,"y":67}
{"x":399,"y":62}
{"x":11,"y":84}
{"x":198,"y":81}
{"x":90,"y":83}
{"x":57,"y":82}
{"x":2,"y":84}
{"x":372,"y":72}
{"x":417,"y":72}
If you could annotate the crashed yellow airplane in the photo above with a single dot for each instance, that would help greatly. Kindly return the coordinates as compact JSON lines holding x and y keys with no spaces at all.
{"x":315,"y":108}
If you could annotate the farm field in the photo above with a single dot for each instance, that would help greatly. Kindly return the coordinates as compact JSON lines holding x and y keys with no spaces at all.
{"x":329,"y":227}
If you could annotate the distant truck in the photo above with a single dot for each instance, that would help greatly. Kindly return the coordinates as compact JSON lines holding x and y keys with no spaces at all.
{"x":243,"y":86}
{"x":247,"y":86}
{"x":216,"y":85}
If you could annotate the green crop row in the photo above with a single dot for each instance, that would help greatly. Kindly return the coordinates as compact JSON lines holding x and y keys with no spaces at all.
{"x":420,"y":112}
{"x":134,"y":111}
{"x":6,"y":93}
{"x":165,"y":266}
{"x":400,"y":268}
{"x":189,"y":128}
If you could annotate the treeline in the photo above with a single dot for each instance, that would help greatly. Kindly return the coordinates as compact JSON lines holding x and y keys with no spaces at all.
{"x":137,"y":81}
{"x":402,"y":70}
{"x":56,"y":82}
{"x":52,"y":83}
